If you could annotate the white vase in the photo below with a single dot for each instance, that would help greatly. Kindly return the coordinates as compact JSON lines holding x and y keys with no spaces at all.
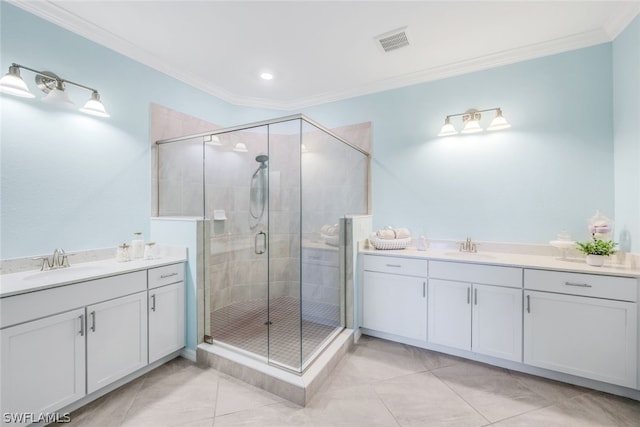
{"x":595,"y":260}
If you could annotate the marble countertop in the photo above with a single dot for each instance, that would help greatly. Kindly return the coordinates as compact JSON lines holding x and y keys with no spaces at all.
{"x":35,"y":280}
{"x":546,"y":262}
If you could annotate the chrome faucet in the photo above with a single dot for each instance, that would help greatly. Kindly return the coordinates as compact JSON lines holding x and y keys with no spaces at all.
{"x":59,"y":259}
{"x":468,"y":246}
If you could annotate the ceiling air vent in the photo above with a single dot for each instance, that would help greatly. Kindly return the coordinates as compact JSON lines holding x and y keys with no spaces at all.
{"x":393,"y":39}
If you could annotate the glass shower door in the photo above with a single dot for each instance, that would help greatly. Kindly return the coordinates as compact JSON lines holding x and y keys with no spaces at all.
{"x":237,"y":201}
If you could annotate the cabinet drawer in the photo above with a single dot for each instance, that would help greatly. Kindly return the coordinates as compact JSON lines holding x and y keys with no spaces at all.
{"x":33,"y":305}
{"x":476,"y":273}
{"x":590,"y":285}
{"x":166,"y":275}
{"x":396,"y":265}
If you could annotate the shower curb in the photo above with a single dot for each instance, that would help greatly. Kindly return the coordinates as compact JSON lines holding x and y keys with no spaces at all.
{"x":295,"y":388}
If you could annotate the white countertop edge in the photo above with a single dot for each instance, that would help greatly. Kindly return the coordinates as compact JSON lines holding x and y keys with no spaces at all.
{"x":573,"y":265}
{"x":31,"y":281}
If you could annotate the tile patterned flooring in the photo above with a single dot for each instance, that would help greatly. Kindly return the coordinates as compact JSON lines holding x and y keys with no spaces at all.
{"x":242,"y":325}
{"x":379,"y":383}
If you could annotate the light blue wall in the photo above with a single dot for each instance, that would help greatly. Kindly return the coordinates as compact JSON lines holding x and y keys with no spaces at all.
{"x":71,"y":180}
{"x":66,"y":176}
{"x":549,"y":172}
{"x":626,"y":133}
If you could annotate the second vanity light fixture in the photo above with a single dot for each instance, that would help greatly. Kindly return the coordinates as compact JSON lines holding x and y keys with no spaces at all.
{"x":53,"y":86}
{"x":471,"y":120}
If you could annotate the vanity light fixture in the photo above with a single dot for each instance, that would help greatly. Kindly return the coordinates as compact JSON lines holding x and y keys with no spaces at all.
{"x":53,"y":86}
{"x":471,"y":120}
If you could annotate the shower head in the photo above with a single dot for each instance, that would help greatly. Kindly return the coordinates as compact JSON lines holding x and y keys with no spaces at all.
{"x":262,"y":158}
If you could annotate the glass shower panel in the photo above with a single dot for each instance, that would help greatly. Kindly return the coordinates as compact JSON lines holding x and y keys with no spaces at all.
{"x":334,"y":179}
{"x":284,"y":245}
{"x":236,"y":189}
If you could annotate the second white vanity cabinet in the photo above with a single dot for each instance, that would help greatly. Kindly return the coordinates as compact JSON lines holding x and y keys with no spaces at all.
{"x":476,"y":308}
{"x":582,"y":324}
{"x":166,"y":310}
{"x":394,"y":296}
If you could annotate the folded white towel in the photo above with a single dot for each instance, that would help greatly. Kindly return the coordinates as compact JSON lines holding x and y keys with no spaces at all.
{"x":386,"y":234}
{"x":402,"y":233}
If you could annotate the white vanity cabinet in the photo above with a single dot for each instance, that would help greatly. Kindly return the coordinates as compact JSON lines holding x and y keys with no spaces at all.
{"x":43,"y":363}
{"x":394,"y":296}
{"x":58,"y":343}
{"x":476,"y":308}
{"x":116,"y":339}
{"x":582,"y":324}
{"x":166,"y":311}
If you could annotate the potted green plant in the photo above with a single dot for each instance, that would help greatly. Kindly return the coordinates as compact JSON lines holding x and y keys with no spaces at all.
{"x":597,"y":249}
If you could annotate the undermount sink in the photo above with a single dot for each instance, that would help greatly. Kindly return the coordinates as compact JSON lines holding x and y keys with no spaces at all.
{"x":469,"y":255}
{"x":62,"y":273}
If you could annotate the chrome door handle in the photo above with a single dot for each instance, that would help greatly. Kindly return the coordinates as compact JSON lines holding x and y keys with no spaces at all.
{"x":81,"y":317}
{"x":424,"y":289}
{"x":468,"y":295}
{"x":528,"y":304}
{"x":475,"y":296}
{"x":93,"y":321}
{"x":264,"y":243}
{"x":153,"y":302}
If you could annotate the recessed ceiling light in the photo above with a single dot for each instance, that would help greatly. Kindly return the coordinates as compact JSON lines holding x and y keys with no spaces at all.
{"x":266,"y":76}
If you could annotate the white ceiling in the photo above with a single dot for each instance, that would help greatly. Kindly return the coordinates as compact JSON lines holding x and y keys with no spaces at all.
{"x":323,"y":51}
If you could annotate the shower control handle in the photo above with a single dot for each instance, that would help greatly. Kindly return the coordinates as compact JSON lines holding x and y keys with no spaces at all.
{"x":261,"y":250}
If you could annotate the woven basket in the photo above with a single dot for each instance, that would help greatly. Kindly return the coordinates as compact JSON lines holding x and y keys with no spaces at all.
{"x":388,"y":244}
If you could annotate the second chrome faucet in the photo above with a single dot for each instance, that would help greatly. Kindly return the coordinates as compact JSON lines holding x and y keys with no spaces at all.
{"x":59,"y":259}
{"x":468,"y":246}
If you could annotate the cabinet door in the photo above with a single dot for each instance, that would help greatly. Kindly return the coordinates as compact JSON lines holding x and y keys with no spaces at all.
{"x":116,"y":339}
{"x":497,"y":322}
{"x":589,"y":337}
{"x":166,"y":320}
{"x":450,"y":313}
{"x":43,"y":364}
{"x":395,"y":304}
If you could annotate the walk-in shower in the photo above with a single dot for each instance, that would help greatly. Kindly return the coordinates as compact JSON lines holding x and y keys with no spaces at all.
{"x":275,"y":272}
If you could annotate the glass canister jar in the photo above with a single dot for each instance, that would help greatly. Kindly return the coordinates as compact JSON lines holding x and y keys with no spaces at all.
{"x":137,"y":246}
{"x":150,"y":250}
{"x":122,"y":253}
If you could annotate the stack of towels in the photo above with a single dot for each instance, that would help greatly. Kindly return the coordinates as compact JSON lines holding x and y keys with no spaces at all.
{"x":393,"y":233}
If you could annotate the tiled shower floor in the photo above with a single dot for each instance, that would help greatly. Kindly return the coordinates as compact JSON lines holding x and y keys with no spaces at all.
{"x":243,"y":325}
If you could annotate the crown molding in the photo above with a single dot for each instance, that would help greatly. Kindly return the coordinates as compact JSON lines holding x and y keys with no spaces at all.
{"x":619,"y":21}
{"x":63,"y":18}
{"x":511,"y":56}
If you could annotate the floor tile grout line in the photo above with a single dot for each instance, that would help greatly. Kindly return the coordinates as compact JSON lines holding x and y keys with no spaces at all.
{"x":386,"y":407}
{"x":215,"y":409}
{"x":489,"y":422}
{"x":134,"y":397}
